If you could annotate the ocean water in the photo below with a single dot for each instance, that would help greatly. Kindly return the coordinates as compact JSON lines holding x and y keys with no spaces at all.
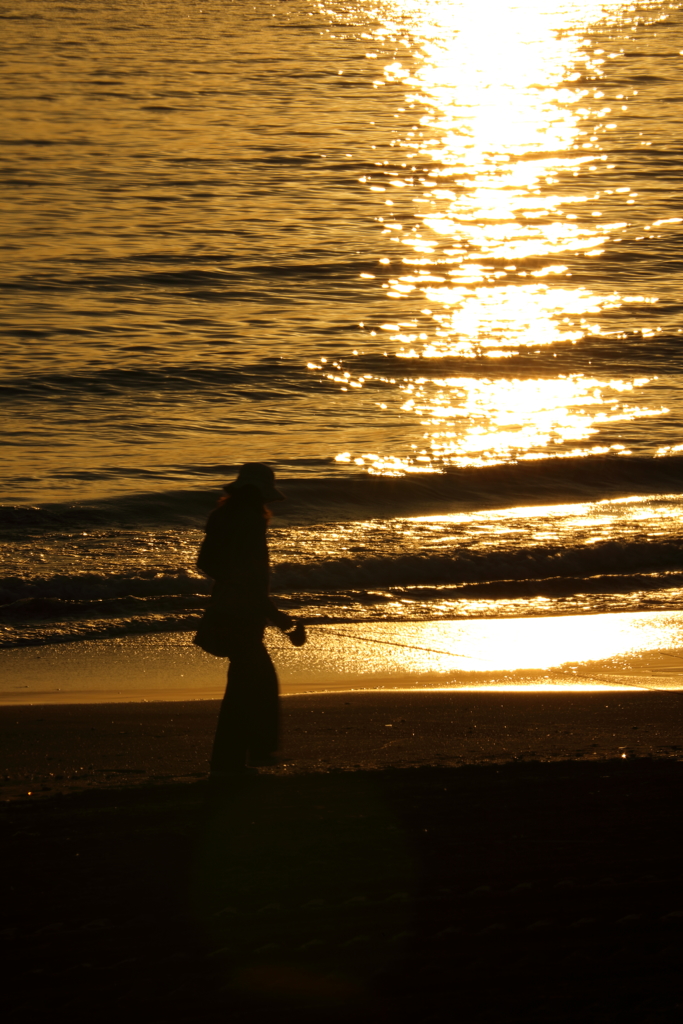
{"x":423,"y":259}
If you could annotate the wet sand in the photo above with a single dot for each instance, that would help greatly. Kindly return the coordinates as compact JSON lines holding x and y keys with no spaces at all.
{"x":641,"y":649}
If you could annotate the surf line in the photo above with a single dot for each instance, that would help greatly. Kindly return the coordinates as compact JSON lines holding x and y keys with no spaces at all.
{"x":471,"y":657}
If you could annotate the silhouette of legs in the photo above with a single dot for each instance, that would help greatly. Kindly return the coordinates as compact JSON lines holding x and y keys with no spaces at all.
{"x":248,"y":718}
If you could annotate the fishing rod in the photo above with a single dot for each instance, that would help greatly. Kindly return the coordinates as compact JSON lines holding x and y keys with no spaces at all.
{"x":395,"y":643}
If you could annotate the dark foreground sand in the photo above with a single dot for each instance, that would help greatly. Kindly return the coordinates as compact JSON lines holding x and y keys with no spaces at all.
{"x":503,"y":864}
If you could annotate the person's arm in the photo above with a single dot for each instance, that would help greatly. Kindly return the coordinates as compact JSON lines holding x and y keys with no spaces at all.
{"x":277,"y":618}
{"x":294,"y":628}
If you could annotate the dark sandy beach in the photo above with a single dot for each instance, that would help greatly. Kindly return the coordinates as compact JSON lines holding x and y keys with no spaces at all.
{"x":424,"y":857}
{"x":49,"y":749}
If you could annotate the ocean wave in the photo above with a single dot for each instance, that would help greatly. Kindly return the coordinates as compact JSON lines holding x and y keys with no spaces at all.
{"x":91,"y":595}
{"x":406,"y":605}
{"x":251,"y":380}
{"x":349,"y":496}
{"x":617,"y":559}
{"x":542,"y":537}
{"x":77,"y":606}
{"x":93,"y":586}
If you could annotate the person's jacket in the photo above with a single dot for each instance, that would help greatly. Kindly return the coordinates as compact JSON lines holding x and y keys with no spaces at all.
{"x":234,"y":553}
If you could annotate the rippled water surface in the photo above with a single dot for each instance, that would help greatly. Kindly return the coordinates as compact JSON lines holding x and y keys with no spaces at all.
{"x":387,"y":236}
{"x":423,"y":258}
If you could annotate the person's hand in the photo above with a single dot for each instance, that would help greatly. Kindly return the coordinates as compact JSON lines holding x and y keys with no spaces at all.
{"x":282,"y":620}
{"x":297,"y":636}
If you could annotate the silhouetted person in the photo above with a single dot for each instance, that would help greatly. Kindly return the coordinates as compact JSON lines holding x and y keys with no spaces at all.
{"x":234,"y":553}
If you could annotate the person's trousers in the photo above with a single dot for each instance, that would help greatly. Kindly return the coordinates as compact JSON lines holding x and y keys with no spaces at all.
{"x":248,"y":721}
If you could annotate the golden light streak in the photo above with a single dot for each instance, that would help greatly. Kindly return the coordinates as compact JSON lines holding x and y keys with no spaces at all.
{"x":493,"y":194}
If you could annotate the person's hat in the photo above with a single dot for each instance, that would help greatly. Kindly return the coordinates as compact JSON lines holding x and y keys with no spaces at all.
{"x":257,"y":474}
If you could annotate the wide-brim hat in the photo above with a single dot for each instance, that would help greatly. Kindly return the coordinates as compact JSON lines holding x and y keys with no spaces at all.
{"x":256,"y":474}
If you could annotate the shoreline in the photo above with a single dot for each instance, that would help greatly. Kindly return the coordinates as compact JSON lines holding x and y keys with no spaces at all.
{"x":391,"y":695}
{"x":613,"y":649}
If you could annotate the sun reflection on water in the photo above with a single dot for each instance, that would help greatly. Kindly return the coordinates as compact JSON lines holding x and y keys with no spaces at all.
{"x":480,"y":421}
{"x":579,"y":650}
{"x":492,"y":194}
